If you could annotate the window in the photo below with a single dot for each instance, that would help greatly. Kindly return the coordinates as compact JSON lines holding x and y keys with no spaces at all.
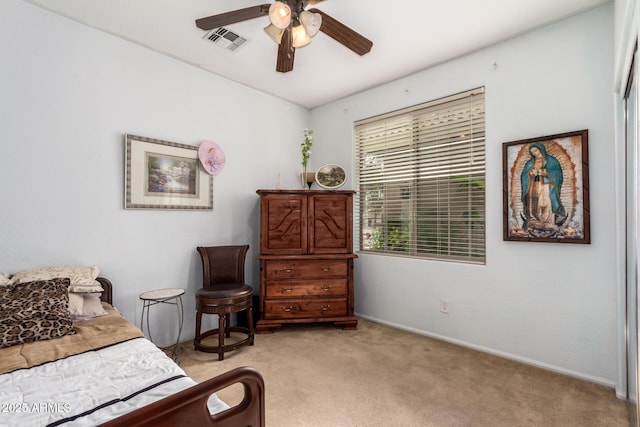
{"x":421,"y":180}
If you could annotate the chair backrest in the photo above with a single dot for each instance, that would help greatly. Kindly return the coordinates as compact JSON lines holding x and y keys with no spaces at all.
{"x":222,"y":264}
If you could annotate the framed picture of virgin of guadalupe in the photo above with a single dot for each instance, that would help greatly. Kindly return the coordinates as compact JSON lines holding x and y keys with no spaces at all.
{"x":546,"y":189}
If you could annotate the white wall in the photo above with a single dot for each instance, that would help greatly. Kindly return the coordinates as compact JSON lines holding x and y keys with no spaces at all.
{"x":552,"y":305}
{"x":68,"y":94}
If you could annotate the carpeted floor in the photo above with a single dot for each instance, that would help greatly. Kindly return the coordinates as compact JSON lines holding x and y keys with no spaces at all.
{"x":321,"y":376}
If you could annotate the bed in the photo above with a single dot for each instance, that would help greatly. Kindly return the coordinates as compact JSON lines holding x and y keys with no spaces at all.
{"x":105,"y":372}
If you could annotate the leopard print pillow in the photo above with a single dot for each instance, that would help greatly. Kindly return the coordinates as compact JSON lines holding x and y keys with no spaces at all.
{"x":34,"y":311}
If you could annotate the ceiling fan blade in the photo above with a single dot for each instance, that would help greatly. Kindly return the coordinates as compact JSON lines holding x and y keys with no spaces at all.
{"x":227,"y":18}
{"x":343,"y":34}
{"x":286,"y":52}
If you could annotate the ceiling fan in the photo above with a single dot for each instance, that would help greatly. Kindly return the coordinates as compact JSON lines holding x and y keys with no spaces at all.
{"x":291,"y":26}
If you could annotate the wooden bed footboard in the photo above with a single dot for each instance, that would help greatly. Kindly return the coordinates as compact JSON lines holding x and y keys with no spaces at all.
{"x":189,"y":407}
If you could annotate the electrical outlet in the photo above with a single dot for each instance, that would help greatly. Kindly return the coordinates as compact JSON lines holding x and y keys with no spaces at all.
{"x":444,"y":306}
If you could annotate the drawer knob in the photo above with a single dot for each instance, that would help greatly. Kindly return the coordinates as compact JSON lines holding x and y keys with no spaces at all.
{"x":325,"y":307}
{"x":287,"y":309}
{"x":326,"y":268}
{"x":283,"y":290}
{"x":288,"y":269}
{"x":326,"y":288}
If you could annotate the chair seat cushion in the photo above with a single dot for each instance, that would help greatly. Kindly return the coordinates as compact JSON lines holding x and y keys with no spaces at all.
{"x":225,"y":290}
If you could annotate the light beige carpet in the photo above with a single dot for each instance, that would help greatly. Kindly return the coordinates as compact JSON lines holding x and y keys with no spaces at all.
{"x":321,"y":376}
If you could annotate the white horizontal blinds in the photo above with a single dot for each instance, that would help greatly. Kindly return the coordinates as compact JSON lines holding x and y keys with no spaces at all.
{"x":421,"y":180}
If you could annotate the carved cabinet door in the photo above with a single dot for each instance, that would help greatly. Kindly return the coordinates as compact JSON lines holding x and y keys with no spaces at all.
{"x":283,"y":224}
{"x":330,"y":224}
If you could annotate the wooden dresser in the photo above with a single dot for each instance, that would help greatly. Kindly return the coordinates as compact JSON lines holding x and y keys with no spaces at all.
{"x":306,"y":258}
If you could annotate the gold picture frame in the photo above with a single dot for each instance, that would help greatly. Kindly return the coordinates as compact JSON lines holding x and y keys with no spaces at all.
{"x":164,"y":175}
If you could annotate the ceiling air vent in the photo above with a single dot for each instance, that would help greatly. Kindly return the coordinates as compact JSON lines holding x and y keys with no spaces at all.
{"x":225,"y":38}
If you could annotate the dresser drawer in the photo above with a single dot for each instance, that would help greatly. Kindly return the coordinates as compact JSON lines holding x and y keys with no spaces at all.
{"x":299,"y":309}
{"x":308,"y":288}
{"x":306,"y":269}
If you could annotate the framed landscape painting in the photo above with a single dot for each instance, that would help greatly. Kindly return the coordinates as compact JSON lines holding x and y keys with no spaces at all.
{"x":165,"y":175}
{"x":546,"y":189}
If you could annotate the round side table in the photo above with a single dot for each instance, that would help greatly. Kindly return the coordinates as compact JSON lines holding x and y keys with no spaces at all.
{"x":172,"y":296}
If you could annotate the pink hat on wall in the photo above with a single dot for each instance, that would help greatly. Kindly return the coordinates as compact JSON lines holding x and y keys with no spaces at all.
{"x":211,"y":157}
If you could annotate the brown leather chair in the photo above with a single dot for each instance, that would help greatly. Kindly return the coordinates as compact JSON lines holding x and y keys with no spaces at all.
{"x":223,"y":292}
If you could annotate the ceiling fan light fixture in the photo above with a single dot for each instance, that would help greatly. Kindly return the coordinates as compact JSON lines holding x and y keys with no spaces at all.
{"x":311,"y":22}
{"x":274,"y":32}
{"x":300,"y":37}
{"x":292,"y":26}
{"x":280,"y":14}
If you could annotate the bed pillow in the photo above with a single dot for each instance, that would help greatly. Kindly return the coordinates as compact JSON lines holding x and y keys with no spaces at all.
{"x":34,"y":311}
{"x":5,"y":279}
{"x":83,"y":279}
{"x":76,"y":301}
{"x":84,"y":305}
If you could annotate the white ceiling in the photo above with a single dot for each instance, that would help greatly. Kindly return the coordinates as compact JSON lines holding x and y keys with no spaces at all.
{"x":408,"y":36}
